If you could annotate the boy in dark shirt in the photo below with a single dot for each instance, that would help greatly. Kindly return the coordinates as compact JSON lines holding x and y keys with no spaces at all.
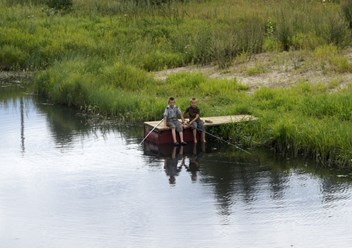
{"x":194,"y":120}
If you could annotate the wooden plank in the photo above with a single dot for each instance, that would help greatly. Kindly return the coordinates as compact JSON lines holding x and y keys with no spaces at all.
{"x":221,"y":120}
{"x":208,"y":121}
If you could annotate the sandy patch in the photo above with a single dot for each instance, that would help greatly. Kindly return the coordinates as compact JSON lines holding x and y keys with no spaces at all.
{"x":15,"y":77}
{"x":271,"y":70}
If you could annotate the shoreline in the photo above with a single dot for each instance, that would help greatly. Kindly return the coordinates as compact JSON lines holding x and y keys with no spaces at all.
{"x":16,"y":77}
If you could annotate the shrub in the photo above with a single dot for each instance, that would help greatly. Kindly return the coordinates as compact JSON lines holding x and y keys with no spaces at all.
{"x":284,"y":31}
{"x":255,"y":70}
{"x":306,"y":41}
{"x":60,"y":4}
{"x":126,"y":77}
{"x":11,"y":57}
{"x":346,"y":7}
{"x":157,"y":60}
{"x":271,"y":44}
{"x":186,"y":80}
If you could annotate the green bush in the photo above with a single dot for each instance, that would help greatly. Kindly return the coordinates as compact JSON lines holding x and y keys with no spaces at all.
{"x":60,"y":4}
{"x":12,"y":57}
{"x":346,"y":7}
{"x":126,"y":77}
{"x":158,"y":60}
{"x":308,"y":41}
{"x":255,"y":70}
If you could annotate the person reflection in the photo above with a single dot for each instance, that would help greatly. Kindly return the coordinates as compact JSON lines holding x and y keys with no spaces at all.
{"x":193,"y":166}
{"x":171,"y":165}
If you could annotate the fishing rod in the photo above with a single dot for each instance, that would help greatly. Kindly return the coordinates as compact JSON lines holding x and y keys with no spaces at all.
{"x":151,"y":131}
{"x":219,"y":138}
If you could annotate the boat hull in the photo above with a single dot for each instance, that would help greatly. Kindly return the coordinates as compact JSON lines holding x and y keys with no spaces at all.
{"x":164,"y":136}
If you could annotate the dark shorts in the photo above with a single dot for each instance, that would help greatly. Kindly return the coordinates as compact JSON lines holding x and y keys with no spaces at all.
{"x":199,"y":125}
{"x":175,"y":124}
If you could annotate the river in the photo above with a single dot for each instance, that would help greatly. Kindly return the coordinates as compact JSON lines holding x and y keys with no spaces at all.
{"x":71,"y":181}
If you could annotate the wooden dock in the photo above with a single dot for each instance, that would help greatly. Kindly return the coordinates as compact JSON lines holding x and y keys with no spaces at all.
{"x":162,"y":134}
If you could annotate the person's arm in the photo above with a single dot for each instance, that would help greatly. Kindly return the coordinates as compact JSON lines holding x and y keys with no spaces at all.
{"x":165,"y":117}
{"x":196,"y":118}
{"x":184,"y":114}
{"x":198,"y":115}
{"x":183,"y":119}
{"x":181,"y":115}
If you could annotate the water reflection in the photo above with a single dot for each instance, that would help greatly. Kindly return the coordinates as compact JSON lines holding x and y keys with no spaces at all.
{"x":64,"y":123}
{"x":22,"y":125}
{"x":175,"y":158}
{"x":193,"y":166}
{"x":171,"y":165}
{"x":236,"y":178}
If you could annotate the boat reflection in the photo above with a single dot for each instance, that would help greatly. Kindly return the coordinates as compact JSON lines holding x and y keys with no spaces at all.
{"x":177,"y":157}
{"x":172,"y":166}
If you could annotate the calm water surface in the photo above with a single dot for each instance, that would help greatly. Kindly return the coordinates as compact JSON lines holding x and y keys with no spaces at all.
{"x":66,"y":181}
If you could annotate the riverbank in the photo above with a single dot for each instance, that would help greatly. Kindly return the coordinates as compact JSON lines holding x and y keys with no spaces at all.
{"x":306,"y":112}
{"x":15,"y":77}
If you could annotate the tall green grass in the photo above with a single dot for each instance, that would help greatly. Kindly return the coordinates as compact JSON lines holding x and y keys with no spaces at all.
{"x":158,"y":36}
{"x":126,"y":91}
{"x":303,"y":120}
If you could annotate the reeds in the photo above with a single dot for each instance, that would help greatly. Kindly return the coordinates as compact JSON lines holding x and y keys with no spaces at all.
{"x":166,"y":35}
{"x":303,"y":120}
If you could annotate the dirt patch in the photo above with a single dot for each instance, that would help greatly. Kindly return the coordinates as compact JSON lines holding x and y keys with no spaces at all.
{"x":15,"y":76}
{"x":273,"y":70}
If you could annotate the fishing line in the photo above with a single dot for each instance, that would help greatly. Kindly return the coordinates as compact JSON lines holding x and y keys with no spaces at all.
{"x":229,"y":143}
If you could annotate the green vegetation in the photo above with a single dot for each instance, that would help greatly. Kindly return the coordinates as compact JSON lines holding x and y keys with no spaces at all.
{"x":152,"y":35}
{"x":302,"y":120}
{"x":99,"y":56}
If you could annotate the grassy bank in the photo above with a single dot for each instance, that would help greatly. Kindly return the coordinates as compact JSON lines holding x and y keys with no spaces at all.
{"x":154,"y":37}
{"x":303,"y":120}
{"x":99,"y":56}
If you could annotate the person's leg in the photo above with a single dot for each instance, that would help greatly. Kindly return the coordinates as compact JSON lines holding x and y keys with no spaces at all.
{"x":202,"y":128}
{"x":173,"y":132}
{"x":173,"y":128}
{"x":181,"y":137}
{"x":194,"y":127}
{"x":203,"y":136}
{"x":195,"y":136}
{"x":179,"y":129}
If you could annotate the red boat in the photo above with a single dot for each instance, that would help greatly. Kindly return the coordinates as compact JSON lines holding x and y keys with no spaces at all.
{"x":162,"y":135}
